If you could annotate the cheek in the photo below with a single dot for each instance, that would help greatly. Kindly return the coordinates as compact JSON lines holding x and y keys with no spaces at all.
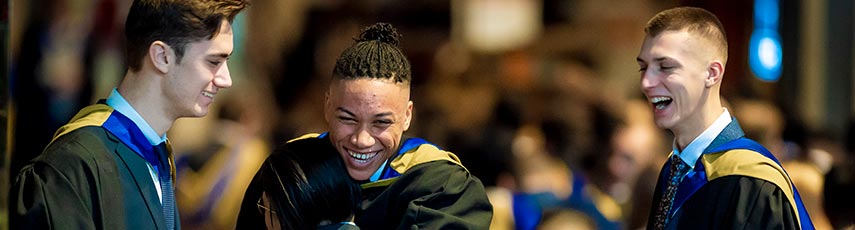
{"x":339,"y":132}
{"x":388,"y":138}
{"x":185,"y":80}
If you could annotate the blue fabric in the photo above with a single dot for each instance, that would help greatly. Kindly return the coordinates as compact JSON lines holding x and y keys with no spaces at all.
{"x":127,"y":131}
{"x":527,"y":211}
{"x":694,"y":180}
{"x":406,"y":146}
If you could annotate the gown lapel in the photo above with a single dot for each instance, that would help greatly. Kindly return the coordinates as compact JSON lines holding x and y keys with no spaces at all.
{"x":134,"y":163}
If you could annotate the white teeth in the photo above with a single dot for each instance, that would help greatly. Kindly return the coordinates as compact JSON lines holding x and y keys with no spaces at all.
{"x":207,"y":94}
{"x":660,"y":102}
{"x":655,"y":100}
{"x":362,"y":157}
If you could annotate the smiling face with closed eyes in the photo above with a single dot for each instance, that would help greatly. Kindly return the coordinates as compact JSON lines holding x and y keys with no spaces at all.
{"x":367,"y":118}
{"x":680,"y":77}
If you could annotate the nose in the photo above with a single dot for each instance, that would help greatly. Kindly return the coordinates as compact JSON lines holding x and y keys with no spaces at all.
{"x":648,"y":80}
{"x":362,"y":139}
{"x":223,"y":78}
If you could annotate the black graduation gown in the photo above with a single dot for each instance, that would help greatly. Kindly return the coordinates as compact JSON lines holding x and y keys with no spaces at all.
{"x":432,"y":195}
{"x":87,"y":178}
{"x":422,"y":187}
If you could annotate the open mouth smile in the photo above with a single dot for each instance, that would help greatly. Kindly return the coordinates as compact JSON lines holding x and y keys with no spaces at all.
{"x":660,"y":102}
{"x":208,"y":94}
{"x":362,"y":157}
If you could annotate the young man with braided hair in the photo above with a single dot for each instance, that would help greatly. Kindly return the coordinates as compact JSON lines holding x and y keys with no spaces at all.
{"x":111,"y":166}
{"x":715,"y":177}
{"x":407,"y":183}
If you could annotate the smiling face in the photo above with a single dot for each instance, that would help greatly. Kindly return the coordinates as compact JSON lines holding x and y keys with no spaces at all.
{"x":679,"y":77}
{"x":192,"y":83}
{"x":367,"y":118}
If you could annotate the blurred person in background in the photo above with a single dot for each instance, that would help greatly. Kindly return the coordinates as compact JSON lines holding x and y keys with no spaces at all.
{"x":302,"y":185}
{"x":543,"y":188}
{"x":213,"y":176}
{"x":407,"y":182}
{"x":110,"y":167}
{"x":49,"y":83}
{"x":713,"y":170}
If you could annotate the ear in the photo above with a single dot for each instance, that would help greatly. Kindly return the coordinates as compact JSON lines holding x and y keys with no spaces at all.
{"x":327,"y":107}
{"x":161,"y":55}
{"x":715,"y":73}
{"x":408,"y":116}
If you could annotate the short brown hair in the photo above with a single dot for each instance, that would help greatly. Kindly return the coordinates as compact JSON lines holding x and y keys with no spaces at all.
{"x":175,"y":22}
{"x":695,"y":20}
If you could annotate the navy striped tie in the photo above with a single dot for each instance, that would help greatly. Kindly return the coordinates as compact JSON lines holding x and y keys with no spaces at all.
{"x":164,"y":153}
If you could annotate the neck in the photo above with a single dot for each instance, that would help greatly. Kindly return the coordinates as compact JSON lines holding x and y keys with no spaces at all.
{"x":704,"y":118}
{"x":141,"y":90}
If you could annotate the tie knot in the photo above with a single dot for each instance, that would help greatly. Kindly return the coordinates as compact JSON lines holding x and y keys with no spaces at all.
{"x":678,"y":168}
{"x":163,"y":151}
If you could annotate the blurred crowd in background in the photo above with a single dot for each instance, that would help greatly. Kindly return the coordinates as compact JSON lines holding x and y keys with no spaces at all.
{"x":534,"y":97}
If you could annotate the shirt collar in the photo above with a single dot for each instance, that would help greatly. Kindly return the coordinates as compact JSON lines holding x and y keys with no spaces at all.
{"x":122,"y":106}
{"x":379,"y":172}
{"x":693,"y":151}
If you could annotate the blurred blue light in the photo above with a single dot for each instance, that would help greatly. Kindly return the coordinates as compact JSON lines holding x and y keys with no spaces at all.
{"x":765,"y":54}
{"x":766,"y":14}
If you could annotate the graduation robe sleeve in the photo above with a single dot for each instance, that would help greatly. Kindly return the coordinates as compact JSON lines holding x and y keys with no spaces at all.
{"x":44,"y":199}
{"x":433,"y":195}
{"x":63,"y":188}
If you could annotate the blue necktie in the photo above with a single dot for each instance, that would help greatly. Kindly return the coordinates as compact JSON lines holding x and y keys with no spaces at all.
{"x":164,"y":153}
{"x":675,"y":176}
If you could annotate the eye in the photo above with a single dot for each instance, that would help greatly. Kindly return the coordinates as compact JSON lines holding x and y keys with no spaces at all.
{"x":668,"y":66}
{"x":642,"y":69}
{"x":215,"y":63}
{"x":346,"y":120}
{"x":383,"y":123}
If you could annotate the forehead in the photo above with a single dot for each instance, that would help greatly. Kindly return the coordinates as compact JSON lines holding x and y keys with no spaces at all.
{"x":667,"y":44}
{"x":220,"y":44}
{"x":364,"y":92}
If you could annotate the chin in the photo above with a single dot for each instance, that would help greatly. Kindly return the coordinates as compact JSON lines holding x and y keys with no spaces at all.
{"x":664,"y":124}
{"x":200,"y":111}
{"x":352,"y":176}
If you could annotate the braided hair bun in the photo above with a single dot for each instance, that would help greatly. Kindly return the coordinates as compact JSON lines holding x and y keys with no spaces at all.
{"x":383,"y":32}
{"x":375,"y":55}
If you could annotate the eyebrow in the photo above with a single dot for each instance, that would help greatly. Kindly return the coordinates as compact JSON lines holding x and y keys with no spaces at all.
{"x":340,"y":109}
{"x":220,"y":55}
{"x":659,"y":59}
{"x":384,"y":114}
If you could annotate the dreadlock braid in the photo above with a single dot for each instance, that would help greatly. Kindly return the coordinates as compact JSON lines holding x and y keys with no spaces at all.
{"x":375,"y":55}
